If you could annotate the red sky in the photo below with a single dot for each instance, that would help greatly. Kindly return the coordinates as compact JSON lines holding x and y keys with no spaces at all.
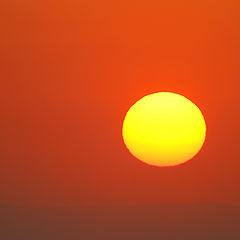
{"x":71,"y":69}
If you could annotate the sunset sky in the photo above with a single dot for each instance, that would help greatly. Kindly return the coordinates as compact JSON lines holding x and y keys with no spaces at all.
{"x":71,"y":69}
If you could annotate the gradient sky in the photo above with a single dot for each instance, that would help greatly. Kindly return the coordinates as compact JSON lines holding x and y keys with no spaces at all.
{"x":71,"y":69}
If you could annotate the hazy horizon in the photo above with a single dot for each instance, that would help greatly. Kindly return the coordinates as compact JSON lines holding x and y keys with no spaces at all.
{"x":132,"y":222}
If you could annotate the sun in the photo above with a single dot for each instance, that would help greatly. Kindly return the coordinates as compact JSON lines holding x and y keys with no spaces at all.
{"x":164,"y":129}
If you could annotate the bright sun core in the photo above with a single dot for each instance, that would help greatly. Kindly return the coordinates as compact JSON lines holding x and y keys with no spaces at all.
{"x":164,"y":129}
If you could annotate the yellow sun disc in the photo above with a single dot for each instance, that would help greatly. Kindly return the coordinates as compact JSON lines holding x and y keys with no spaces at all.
{"x":164,"y":129}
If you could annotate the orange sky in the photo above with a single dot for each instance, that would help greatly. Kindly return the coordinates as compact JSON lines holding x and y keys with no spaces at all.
{"x":71,"y":69}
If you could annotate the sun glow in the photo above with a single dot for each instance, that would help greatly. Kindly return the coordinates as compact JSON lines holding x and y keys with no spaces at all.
{"x":164,"y":129}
